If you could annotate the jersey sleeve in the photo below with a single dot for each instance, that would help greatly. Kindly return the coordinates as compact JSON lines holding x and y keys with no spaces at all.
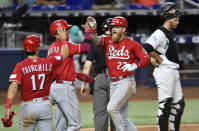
{"x":73,"y":48}
{"x":17,"y":75}
{"x":103,"y":40}
{"x":141,"y":54}
{"x":155,"y":39}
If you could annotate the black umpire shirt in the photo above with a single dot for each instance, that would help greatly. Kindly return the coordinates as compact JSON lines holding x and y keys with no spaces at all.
{"x":96,"y":55}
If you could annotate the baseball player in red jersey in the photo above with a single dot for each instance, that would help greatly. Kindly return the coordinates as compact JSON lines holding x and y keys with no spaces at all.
{"x":121,"y":54}
{"x":63,"y":91}
{"x":34,"y":75}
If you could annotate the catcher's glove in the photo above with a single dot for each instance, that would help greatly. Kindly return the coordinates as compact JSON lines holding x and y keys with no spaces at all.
{"x":84,"y":77}
{"x":8,"y":123}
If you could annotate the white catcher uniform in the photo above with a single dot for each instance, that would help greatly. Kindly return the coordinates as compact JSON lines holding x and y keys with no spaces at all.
{"x":167,"y":77}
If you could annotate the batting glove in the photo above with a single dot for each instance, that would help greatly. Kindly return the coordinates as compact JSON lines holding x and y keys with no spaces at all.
{"x":129,"y":67}
{"x":92,"y":22}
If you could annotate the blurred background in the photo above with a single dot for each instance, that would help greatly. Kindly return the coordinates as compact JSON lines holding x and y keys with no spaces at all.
{"x":19,"y":18}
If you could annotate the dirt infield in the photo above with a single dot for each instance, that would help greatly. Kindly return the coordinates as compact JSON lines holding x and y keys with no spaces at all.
{"x":143,"y":93}
{"x":185,"y":127}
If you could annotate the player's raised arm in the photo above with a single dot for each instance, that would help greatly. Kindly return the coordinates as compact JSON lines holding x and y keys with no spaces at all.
{"x":64,"y":48}
{"x":90,"y":26}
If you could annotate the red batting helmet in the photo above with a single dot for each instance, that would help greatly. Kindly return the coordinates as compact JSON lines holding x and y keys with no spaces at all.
{"x":31,"y":43}
{"x":119,"y":21}
{"x":55,"y":24}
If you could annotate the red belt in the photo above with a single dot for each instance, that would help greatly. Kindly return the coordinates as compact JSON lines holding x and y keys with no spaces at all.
{"x":59,"y":81}
{"x":117,"y":78}
{"x":43,"y":99}
{"x":62,"y":82}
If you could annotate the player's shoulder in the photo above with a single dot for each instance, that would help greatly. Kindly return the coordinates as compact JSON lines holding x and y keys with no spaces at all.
{"x":158,"y":33}
{"x":23,"y":62}
{"x":105,"y":36}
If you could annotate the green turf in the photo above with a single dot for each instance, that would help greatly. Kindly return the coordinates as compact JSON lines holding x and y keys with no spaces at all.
{"x":140,"y":112}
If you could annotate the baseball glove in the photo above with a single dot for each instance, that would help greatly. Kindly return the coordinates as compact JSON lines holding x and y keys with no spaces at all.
{"x":92,"y":22}
{"x":8,"y":123}
{"x":84,"y":77}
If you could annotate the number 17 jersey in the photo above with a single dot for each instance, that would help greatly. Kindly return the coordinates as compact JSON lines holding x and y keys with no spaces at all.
{"x":35,"y":76}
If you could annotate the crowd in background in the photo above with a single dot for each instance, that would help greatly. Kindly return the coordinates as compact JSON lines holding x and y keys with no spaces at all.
{"x":90,"y":4}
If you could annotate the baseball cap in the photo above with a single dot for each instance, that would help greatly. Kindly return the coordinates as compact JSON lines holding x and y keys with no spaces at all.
{"x":74,"y":33}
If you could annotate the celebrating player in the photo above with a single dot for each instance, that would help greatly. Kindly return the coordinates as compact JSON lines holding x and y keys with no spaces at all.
{"x":161,"y":46}
{"x":63,"y":91}
{"x":121,"y":54}
{"x":101,"y":86}
{"x":34,"y":75}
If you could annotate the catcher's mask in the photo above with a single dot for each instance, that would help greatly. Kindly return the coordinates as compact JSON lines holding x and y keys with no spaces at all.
{"x":165,"y":13}
{"x":106,"y":24}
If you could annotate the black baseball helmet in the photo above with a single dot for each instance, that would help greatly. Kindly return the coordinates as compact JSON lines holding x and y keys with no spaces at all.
{"x":164,"y":11}
{"x":106,"y":24}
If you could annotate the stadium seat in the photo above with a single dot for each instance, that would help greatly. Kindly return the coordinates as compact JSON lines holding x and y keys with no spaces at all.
{"x":35,"y":8}
{"x":134,"y":6}
{"x":155,"y":6}
{"x":13,"y":7}
{"x":79,"y":4}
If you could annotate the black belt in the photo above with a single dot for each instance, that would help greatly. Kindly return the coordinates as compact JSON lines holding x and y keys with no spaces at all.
{"x":103,"y":71}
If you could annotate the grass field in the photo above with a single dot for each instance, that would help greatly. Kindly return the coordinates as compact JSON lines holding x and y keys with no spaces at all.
{"x":140,"y":112}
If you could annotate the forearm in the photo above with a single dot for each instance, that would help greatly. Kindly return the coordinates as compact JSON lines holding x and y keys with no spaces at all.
{"x":85,"y":47}
{"x":64,"y":51}
{"x":87,"y":69}
{"x":144,"y":61}
{"x":95,"y":39}
{"x":12,"y":90}
{"x":155,"y":56}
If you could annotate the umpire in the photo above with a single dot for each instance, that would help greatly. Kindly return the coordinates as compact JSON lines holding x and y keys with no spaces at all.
{"x":162,"y":47}
{"x":101,"y":86}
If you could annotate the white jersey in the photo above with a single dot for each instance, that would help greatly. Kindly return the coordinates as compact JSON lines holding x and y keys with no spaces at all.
{"x":160,"y":43}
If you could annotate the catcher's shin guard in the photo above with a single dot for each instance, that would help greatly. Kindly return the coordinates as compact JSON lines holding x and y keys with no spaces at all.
{"x":176,"y":113}
{"x":163,"y":114}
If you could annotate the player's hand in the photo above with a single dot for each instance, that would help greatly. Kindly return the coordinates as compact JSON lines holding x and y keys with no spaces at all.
{"x":61,"y":32}
{"x":153,"y":61}
{"x":129,"y":67}
{"x":84,"y":90}
{"x":86,"y":26}
{"x":92,"y":22}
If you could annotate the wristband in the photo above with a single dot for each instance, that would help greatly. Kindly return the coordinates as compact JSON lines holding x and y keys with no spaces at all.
{"x":93,"y":30}
{"x":8,"y":103}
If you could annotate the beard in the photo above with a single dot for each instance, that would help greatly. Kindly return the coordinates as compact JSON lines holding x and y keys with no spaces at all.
{"x":116,"y":37}
{"x":172,"y":25}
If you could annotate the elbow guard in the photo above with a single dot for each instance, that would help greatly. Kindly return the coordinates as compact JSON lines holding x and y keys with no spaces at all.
{"x":149,"y":48}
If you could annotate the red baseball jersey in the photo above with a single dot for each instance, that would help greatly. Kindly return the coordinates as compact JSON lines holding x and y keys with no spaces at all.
{"x":67,"y":70}
{"x":118,"y":54}
{"x":35,"y":76}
